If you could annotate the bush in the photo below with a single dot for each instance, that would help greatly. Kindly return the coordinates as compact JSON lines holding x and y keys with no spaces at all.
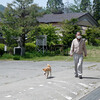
{"x":28,"y":55}
{"x":10,"y":50}
{"x":97,"y":42}
{"x":1,"y":49}
{"x":7,"y":56}
{"x":30,"y":47}
{"x":49,"y":30}
{"x":16,"y":57}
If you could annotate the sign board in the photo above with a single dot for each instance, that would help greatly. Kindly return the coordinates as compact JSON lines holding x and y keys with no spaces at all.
{"x":41,"y":40}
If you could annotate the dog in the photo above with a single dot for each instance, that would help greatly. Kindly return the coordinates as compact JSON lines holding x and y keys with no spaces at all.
{"x":47,"y":71}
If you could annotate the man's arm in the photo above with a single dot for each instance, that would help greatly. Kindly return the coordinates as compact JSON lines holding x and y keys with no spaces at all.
{"x":84,"y":48}
{"x":72,"y":49}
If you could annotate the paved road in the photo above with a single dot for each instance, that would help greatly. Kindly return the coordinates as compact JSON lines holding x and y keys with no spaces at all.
{"x":24,"y":80}
{"x":94,"y":95}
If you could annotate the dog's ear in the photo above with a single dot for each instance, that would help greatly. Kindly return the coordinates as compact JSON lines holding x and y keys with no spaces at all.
{"x":48,"y":65}
{"x":43,"y":69}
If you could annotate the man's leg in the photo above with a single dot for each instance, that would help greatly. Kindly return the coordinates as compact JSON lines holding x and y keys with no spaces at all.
{"x":79,"y":66}
{"x":76,"y":63}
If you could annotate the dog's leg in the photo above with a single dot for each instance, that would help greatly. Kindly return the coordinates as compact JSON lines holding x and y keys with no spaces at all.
{"x":50,"y":74}
{"x":47,"y":73}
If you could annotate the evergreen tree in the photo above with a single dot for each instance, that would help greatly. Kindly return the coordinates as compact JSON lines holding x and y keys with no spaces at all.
{"x":19,"y":19}
{"x":96,"y":9}
{"x":55,"y":6}
{"x":76,"y":6}
{"x":85,"y":6}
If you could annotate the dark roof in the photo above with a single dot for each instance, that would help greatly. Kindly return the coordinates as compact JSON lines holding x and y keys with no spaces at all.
{"x":47,"y":18}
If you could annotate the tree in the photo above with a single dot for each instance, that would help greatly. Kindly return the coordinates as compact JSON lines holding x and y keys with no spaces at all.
{"x":44,"y":29}
{"x":69,"y":30}
{"x":20,"y":17}
{"x":85,"y":6}
{"x":93,"y":36}
{"x":76,"y":6}
{"x":2,"y":8}
{"x":96,"y":9}
{"x":1,"y":15}
{"x":55,"y":6}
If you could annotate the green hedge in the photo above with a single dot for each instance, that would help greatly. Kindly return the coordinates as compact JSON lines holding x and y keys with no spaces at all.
{"x":2,"y":49}
{"x":7,"y":56}
{"x":30,"y":47}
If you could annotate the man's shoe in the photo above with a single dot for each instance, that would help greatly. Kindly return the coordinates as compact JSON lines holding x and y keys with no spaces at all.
{"x":80,"y":77}
{"x":76,"y":75}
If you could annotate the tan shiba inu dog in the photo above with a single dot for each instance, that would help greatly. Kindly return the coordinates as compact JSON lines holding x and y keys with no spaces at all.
{"x":47,"y":70}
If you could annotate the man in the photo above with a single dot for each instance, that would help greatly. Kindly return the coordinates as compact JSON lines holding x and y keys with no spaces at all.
{"x":77,"y":49}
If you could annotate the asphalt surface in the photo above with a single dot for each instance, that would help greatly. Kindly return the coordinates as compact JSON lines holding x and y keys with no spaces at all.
{"x":24,"y":80}
{"x":94,"y":95}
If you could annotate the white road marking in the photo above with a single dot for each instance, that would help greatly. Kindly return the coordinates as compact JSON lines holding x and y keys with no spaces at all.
{"x":91,"y":84}
{"x":75,"y":93}
{"x":20,"y":92}
{"x":41,"y":85}
{"x":84,"y":85}
{"x":60,"y":81}
{"x":49,"y":82}
{"x":67,"y":97}
{"x":8,"y":96}
{"x":31,"y":88}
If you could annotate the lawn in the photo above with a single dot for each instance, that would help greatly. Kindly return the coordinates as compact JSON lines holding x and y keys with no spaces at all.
{"x":93,"y":55}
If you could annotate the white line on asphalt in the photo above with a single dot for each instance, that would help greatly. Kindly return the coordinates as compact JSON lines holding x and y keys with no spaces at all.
{"x":82,"y":84}
{"x":8,"y":96}
{"x":67,"y":97}
{"x":75,"y":93}
{"x":41,"y":85}
{"x":31,"y":88}
{"x":91,"y":84}
{"x":49,"y":82}
{"x":20,"y":92}
{"x":60,"y":81}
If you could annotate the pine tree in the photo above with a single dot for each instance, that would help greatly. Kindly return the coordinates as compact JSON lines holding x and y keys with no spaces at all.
{"x":85,"y":6}
{"x":96,"y":9}
{"x":55,"y":6}
{"x":20,"y":18}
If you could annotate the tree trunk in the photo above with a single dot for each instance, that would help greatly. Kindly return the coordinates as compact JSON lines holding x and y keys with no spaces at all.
{"x":23,"y":44}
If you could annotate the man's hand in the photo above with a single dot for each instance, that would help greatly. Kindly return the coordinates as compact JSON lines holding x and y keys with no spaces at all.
{"x":71,"y":55}
{"x":85,"y":55}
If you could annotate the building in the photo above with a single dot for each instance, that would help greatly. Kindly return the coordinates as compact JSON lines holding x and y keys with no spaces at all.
{"x":84,"y":19}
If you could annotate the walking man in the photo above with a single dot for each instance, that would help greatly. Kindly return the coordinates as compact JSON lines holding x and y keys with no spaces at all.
{"x":77,"y":49}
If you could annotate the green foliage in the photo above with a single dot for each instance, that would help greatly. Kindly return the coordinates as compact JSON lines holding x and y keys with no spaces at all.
{"x":1,"y":15}
{"x":86,"y":6}
{"x":1,"y":49}
{"x":76,"y":6}
{"x":69,"y":31}
{"x":30,"y":47}
{"x":20,"y":18}
{"x":55,"y":6}
{"x":81,"y":6}
{"x":93,"y":36}
{"x":7,"y":56}
{"x":2,"y":8}
{"x":49,"y":30}
{"x":96,"y":9}
{"x":16,"y":57}
{"x":9,"y":34}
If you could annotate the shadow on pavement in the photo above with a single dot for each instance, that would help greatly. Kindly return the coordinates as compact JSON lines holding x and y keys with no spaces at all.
{"x":51,"y":77}
{"x":91,"y":78}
